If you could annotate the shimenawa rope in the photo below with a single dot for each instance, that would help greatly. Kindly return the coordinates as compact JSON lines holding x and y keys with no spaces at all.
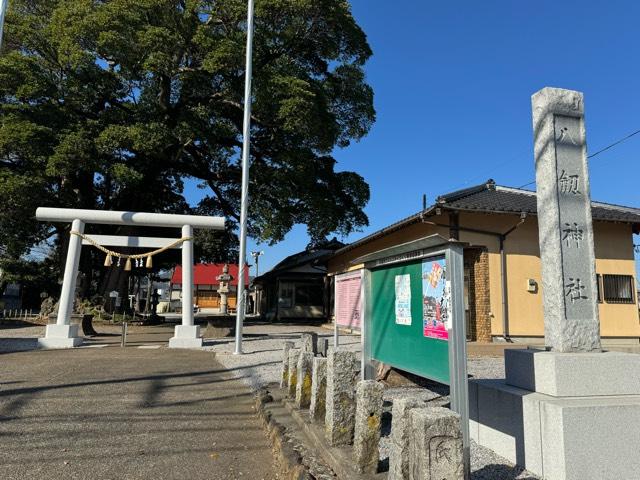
{"x":128,"y":257}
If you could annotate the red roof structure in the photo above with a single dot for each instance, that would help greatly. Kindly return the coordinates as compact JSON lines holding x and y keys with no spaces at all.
{"x":206,"y":273}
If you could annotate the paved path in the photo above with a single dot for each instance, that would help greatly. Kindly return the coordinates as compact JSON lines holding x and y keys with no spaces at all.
{"x":113,"y":413}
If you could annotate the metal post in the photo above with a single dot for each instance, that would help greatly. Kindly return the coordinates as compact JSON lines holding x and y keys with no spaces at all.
{"x":187,"y":276}
{"x":458,"y":347}
{"x":70,"y":275}
{"x":246,"y":140}
{"x":3,"y":11}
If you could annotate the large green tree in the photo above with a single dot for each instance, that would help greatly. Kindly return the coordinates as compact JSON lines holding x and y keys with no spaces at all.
{"x":112,"y":104}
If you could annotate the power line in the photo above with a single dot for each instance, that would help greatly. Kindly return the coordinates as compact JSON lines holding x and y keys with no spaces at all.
{"x":617,"y":142}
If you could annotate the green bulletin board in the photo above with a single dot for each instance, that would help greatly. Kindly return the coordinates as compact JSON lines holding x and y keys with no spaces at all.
{"x":404,"y":346}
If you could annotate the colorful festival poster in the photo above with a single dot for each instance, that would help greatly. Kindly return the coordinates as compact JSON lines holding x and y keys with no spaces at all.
{"x":436,"y":294}
{"x":403,"y":299}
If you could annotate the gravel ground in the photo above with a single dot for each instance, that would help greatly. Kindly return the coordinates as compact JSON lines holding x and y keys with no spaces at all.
{"x":261,"y":363}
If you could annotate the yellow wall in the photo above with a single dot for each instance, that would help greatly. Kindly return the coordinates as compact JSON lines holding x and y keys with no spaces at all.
{"x":614,"y":255}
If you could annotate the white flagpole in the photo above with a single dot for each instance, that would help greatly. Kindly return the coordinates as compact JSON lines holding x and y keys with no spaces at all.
{"x":3,"y":10}
{"x":246,"y":139}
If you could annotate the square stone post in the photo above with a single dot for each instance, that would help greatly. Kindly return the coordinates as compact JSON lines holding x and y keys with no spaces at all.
{"x":400,"y":430}
{"x":569,"y":288}
{"x":323,"y":346}
{"x":284,"y":379}
{"x":187,"y":335}
{"x":366,"y":439}
{"x":309,"y":342}
{"x":63,"y":334}
{"x":343,"y":372}
{"x":294,"y":353}
{"x":436,"y":445}
{"x":303,"y":382}
{"x":317,"y":408}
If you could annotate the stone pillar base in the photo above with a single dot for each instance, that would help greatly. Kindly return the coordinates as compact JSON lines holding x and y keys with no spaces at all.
{"x":586,"y":430}
{"x":186,"y":336}
{"x":60,"y":336}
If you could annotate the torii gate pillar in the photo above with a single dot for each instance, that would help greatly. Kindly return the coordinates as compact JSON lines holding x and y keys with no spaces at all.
{"x":187,"y":335}
{"x":62,"y":334}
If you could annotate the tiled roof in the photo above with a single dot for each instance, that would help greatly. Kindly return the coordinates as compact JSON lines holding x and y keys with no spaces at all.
{"x":491,"y":198}
{"x":313,"y":256}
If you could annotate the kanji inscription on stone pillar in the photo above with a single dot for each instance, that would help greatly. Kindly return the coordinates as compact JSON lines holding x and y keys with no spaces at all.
{"x":569,"y":286}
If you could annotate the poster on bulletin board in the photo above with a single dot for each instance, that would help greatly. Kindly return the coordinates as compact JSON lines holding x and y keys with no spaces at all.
{"x":436,"y":295}
{"x":403,"y":299}
{"x":348,"y":299}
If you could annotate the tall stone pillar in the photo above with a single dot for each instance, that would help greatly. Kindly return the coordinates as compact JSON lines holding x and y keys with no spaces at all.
{"x":569,"y":288}
{"x":569,"y":413}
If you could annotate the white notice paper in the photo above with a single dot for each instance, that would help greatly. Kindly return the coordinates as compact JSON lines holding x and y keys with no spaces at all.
{"x":403,"y":299}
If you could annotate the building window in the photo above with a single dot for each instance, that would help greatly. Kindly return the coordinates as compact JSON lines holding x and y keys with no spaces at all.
{"x":285,"y":299}
{"x":618,"y":288}
{"x":309,"y":295}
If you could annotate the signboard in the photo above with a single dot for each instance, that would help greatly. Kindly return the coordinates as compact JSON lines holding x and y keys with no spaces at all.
{"x":396,"y":330}
{"x":414,"y":318}
{"x":348,"y":299}
{"x":436,"y":299}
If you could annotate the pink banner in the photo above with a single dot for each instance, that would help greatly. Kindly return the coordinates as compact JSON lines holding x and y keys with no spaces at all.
{"x":348,"y":299}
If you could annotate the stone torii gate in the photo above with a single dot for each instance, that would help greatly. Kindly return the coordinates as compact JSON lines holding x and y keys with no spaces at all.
{"x":64,"y":335}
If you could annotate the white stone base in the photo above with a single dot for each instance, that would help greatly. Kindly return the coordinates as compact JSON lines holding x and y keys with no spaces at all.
{"x":571,"y":438}
{"x":186,"y":336}
{"x":60,"y":336}
{"x":573,"y":374}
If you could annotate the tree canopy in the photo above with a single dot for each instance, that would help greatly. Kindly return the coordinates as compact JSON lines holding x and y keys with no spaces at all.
{"x":112,"y":104}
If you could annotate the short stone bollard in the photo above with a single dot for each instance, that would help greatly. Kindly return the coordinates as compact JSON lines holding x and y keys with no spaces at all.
{"x":343,"y":371}
{"x":309,"y":342}
{"x":303,"y":382}
{"x":367,"y":426}
{"x":436,"y":445}
{"x":284,"y":380}
{"x":323,"y":346}
{"x":317,"y":408}
{"x":294,"y":353}
{"x":400,"y":429}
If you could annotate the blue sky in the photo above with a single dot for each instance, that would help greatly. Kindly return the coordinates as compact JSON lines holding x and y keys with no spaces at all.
{"x":453,"y":82}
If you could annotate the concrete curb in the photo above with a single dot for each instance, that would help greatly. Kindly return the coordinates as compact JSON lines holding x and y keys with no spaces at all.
{"x":288,"y":460}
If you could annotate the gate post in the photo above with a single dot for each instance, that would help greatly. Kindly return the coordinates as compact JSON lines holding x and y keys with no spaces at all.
{"x":187,"y":335}
{"x":63,"y":334}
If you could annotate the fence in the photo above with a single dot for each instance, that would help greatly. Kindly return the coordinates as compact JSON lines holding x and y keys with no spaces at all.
{"x":19,"y":314}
